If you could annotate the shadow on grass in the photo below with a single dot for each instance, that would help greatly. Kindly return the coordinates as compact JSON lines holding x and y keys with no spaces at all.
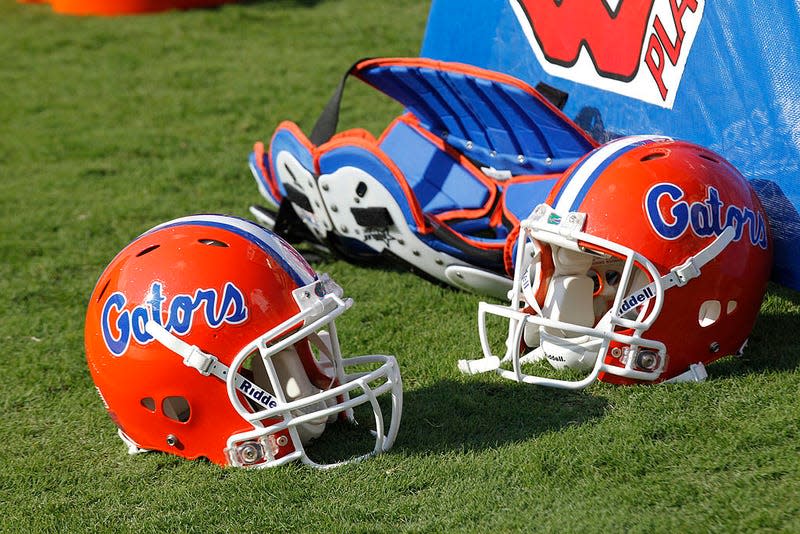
{"x":454,"y":416}
{"x":773,"y":343}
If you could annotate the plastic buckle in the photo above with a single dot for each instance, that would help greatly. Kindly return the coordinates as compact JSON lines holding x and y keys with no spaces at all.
{"x":200,"y":360}
{"x":686,"y":272}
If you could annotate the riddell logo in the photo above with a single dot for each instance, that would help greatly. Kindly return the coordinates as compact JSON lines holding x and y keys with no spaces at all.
{"x":637,"y":48}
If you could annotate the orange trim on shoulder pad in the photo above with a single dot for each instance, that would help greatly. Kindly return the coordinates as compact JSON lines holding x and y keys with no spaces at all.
{"x":295,"y":130}
{"x":258,"y":150}
{"x":407,"y":118}
{"x":496,"y":218}
{"x":469,"y":70}
{"x":460,"y":215}
{"x":412,"y":121}
{"x":465,"y":238}
{"x":509,"y":216}
{"x":526,"y":178}
{"x":371,"y":146}
{"x":355,"y":133}
{"x":508,"y":250}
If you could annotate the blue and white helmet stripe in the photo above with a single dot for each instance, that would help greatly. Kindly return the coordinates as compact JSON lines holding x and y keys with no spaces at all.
{"x":283,"y":254}
{"x":583,"y":177}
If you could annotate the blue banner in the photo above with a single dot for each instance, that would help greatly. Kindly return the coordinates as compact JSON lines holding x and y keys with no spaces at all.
{"x":724,"y":74}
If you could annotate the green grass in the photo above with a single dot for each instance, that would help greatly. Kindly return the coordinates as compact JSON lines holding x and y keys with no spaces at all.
{"x":110,"y":126}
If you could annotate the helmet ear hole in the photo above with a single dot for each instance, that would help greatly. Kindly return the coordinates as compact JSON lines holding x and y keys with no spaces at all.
{"x":176,"y":408}
{"x":709,"y":313}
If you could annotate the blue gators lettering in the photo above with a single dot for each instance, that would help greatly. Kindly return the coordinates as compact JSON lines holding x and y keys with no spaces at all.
{"x":116,"y":344}
{"x":120,"y":324}
{"x":706,"y":218}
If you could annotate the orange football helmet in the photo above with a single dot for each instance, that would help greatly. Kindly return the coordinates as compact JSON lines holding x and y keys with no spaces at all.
{"x":649,"y":260}
{"x":209,"y":336}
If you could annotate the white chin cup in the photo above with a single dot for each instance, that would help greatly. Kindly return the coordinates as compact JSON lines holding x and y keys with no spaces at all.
{"x":579,"y":353}
{"x":314,"y":428}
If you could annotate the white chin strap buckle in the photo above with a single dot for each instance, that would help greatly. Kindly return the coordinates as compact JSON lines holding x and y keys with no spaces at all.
{"x":200,"y":360}
{"x":483,"y":365}
{"x":191,"y":354}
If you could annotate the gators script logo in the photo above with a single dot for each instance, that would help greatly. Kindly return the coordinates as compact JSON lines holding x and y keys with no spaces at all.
{"x":671,"y":215}
{"x":637,"y":48}
{"x":123,"y":321}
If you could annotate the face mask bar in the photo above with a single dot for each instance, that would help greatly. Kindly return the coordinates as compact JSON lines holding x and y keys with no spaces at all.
{"x":320,"y":303}
{"x":546,"y":226}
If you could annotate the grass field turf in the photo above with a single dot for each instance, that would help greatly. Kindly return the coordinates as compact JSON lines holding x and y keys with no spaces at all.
{"x":110,"y":126}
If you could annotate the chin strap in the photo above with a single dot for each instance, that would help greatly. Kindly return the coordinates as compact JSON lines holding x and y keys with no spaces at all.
{"x":680,"y":275}
{"x":208,"y":365}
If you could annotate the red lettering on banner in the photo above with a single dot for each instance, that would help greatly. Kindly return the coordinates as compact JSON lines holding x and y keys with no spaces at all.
{"x":614,"y":40}
{"x":660,"y":43}
{"x":656,"y":65}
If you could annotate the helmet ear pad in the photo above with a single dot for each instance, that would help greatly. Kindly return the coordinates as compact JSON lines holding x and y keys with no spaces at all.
{"x":571,"y":289}
{"x":295,"y":384}
{"x":569,"y":299}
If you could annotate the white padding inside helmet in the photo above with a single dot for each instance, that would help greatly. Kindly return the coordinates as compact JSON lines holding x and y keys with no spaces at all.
{"x":569,"y":296}
{"x":569,"y":300}
{"x":295,"y":383}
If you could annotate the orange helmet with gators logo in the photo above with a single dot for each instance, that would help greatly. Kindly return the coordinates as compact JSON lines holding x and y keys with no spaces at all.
{"x":649,"y":260}
{"x":209,"y":336}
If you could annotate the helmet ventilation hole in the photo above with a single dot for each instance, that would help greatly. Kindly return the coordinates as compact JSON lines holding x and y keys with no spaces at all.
{"x":653,"y":155}
{"x":147,"y":250}
{"x":709,"y":313}
{"x":709,"y":158}
{"x":176,"y":408}
{"x":213,"y":243}
{"x":103,"y":291}
{"x":148,"y":403}
{"x":732,"y":304}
